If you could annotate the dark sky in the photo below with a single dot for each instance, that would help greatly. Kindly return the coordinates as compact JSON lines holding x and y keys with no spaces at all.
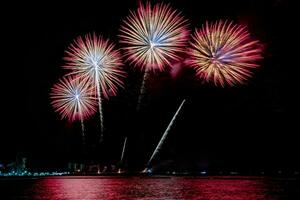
{"x":249,"y":126}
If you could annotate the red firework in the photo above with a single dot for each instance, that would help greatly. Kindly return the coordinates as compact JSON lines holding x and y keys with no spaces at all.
{"x":97,"y":60}
{"x":153,"y":36}
{"x":73,"y":98}
{"x":224,"y":53}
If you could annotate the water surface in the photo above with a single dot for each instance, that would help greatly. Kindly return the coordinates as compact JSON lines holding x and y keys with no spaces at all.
{"x":141,"y":188}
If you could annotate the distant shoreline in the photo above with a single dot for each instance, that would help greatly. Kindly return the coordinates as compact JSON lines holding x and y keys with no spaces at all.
{"x":225,"y":177}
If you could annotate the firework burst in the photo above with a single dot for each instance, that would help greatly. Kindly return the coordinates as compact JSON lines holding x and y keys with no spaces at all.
{"x":224,"y":53}
{"x":153,"y":36}
{"x":73,"y":99}
{"x":95,"y":60}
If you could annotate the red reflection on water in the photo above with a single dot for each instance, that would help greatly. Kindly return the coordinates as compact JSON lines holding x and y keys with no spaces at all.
{"x":151,"y":188}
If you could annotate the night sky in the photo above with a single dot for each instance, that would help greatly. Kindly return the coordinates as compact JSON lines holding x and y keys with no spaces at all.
{"x":245,"y":127}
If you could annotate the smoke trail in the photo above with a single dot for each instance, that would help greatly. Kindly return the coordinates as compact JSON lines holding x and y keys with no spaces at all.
{"x":82,"y":130}
{"x":123,"y":151}
{"x":100,"y":112}
{"x":143,"y":89}
{"x":158,"y":147}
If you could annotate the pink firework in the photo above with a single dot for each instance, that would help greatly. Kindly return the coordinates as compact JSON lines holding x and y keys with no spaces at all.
{"x":153,"y":36}
{"x":224,"y":53}
{"x":73,"y":99}
{"x":96,"y":60}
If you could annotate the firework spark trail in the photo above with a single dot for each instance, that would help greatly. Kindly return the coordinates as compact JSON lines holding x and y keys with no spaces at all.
{"x":224,"y":53}
{"x":100,"y":113}
{"x":94,"y":59}
{"x":82,"y":131}
{"x":73,"y":98}
{"x":123,"y":150}
{"x":142,"y":89}
{"x":163,"y":138}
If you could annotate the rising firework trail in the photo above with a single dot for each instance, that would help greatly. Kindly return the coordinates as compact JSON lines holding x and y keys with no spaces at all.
{"x":122,"y":155}
{"x":123,"y":150}
{"x":224,"y":53}
{"x":73,"y":99}
{"x":163,"y":138}
{"x":153,"y":36}
{"x":142,"y":89}
{"x":95,"y":60}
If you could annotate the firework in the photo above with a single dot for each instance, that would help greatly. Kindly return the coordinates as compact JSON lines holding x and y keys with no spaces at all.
{"x":94,"y":59}
{"x":153,"y":36}
{"x":164,"y":136}
{"x":73,"y":99}
{"x":224,"y":53}
{"x":123,"y":150}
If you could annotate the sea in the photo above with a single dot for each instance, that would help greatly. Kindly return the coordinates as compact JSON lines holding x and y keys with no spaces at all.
{"x":150,"y":188}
